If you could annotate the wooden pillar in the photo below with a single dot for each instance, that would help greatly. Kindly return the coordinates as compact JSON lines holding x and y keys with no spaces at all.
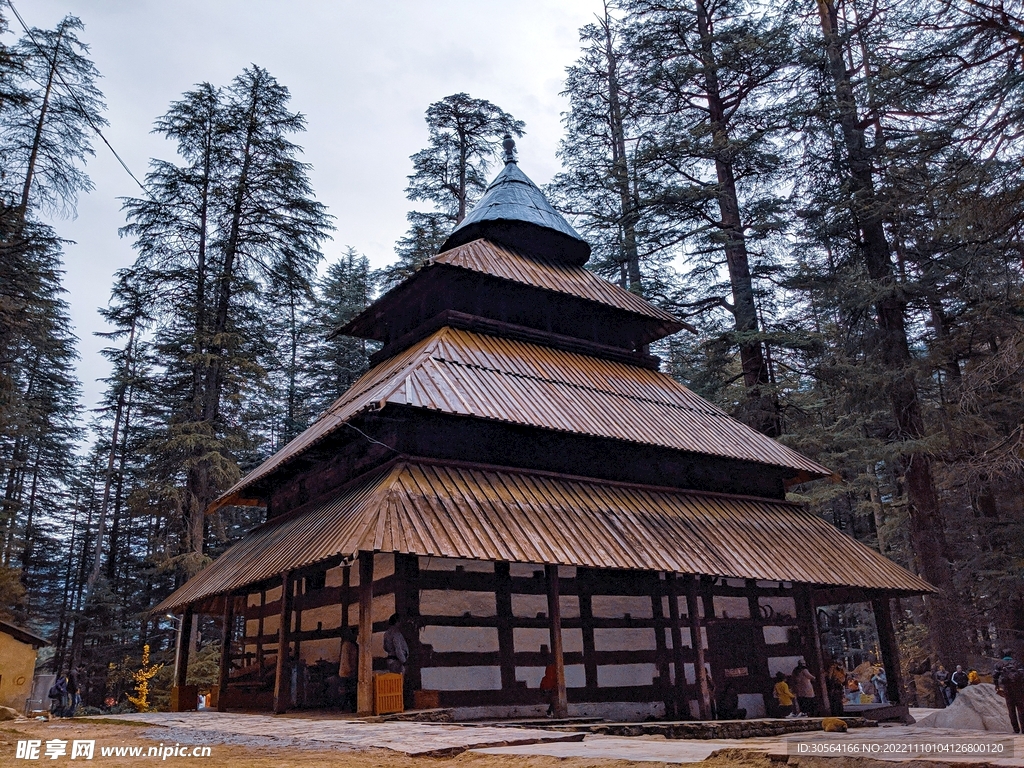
{"x":696,"y":639}
{"x":225,"y":653}
{"x":282,"y":676}
{"x":890,"y":650}
{"x":506,"y":635}
{"x":758,"y":668}
{"x":585,"y":578}
{"x":682,"y":708}
{"x":561,"y":702}
{"x":364,"y":697}
{"x":184,"y":643}
{"x":808,"y":620}
{"x":660,"y":646}
{"x":260,"y":630}
{"x":346,"y":585}
{"x":407,"y":605}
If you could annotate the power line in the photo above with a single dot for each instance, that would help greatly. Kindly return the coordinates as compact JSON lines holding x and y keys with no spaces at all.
{"x":81,"y":107}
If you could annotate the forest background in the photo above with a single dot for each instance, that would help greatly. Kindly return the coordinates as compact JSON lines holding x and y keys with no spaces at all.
{"x":829,"y":192}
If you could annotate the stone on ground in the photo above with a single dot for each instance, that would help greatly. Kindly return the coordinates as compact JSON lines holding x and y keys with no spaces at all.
{"x":6,"y":713}
{"x":976,"y":708}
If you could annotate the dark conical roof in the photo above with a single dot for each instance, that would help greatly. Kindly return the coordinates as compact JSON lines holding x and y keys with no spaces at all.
{"x":514,"y":212}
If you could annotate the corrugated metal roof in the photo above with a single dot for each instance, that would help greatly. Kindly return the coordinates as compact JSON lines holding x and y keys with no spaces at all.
{"x":509,"y":264}
{"x":486,"y":513}
{"x":517,"y":203}
{"x":469,"y":374}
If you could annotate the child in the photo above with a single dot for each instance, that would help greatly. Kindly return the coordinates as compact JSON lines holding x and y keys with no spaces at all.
{"x":785,"y":696}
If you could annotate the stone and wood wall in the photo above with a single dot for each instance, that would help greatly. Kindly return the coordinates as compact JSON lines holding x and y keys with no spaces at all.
{"x":480,"y":634}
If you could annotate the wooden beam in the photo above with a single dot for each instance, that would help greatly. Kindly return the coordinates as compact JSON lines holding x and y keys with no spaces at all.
{"x":364,"y":697}
{"x":759,"y":672}
{"x":696,"y":639}
{"x":184,"y":643}
{"x":225,"y":653}
{"x":889,"y":648}
{"x":840,"y":595}
{"x":346,"y":582}
{"x":585,"y":578}
{"x":259,"y":630}
{"x":661,"y":648}
{"x":561,"y":702}
{"x":407,"y":605}
{"x":506,"y":635}
{"x":283,"y":675}
{"x":808,"y":622}
{"x":682,"y":709}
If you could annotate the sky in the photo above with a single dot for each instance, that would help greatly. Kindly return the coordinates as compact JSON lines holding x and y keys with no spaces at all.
{"x":361,"y":72}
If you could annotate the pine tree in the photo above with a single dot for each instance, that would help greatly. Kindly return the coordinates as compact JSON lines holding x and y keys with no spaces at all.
{"x":46,"y":136}
{"x":333,"y":362}
{"x":712,"y":73}
{"x":218,"y":233}
{"x":49,"y":105}
{"x":451,"y":173}
{"x":605,"y":185}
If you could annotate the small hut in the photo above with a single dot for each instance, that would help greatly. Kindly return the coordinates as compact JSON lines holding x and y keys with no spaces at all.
{"x":18,"y":649}
{"x":518,"y":482}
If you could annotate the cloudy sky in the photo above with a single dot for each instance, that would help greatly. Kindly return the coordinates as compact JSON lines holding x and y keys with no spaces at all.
{"x":362,"y":72}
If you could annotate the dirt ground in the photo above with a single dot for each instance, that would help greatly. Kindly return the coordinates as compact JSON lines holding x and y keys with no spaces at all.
{"x":233,"y":756}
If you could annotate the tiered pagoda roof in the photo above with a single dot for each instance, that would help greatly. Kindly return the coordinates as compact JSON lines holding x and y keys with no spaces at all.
{"x":506,"y":327}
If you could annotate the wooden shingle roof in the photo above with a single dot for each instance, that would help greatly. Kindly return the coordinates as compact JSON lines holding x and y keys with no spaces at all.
{"x":510,"y":264}
{"x":443,"y":509}
{"x":469,"y":374}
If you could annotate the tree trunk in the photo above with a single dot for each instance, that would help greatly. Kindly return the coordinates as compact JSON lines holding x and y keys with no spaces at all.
{"x":761,"y":411}
{"x":108,"y":480}
{"x":629,"y":216}
{"x":892,"y":350}
{"x":201,"y":487}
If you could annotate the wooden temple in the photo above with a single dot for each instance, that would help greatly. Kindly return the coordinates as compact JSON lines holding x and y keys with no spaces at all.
{"x":516,"y":479}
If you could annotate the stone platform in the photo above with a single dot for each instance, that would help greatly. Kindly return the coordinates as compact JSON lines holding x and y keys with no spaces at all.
{"x":779,"y":748}
{"x":715,"y":729}
{"x":330,"y":732}
{"x":349,"y":734}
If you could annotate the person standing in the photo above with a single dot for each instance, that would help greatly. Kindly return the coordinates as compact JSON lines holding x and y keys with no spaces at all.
{"x":835,"y":683}
{"x":74,"y":694}
{"x":395,"y":646}
{"x":959,"y":678}
{"x":785,"y":696}
{"x":348,"y":671}
{"x":549,"y":683}
{"x":1008,"y":676}
{"x":881,"y":685}
{"x":729,"y":704}
{"x":942,"y":683}
{"x":803,"y":682}
{"x":58,"y":695}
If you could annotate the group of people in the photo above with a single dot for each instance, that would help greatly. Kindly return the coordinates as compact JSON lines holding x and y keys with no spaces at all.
{"x":65,"y":696}
{"x":796,"y":700}
{"x":868,"y":684}
{"x":949,"y":685}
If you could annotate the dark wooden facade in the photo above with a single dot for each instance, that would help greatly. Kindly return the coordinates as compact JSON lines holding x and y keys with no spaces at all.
{"x":521,"y":384}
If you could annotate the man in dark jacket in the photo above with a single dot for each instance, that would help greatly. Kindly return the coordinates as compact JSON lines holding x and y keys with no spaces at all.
{"x":74,"y":694}
{"x":1008,"y":676}
{"x":959,"y":678}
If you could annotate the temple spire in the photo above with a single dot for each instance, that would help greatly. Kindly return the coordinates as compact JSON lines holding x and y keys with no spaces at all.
{"x":510,"y":149}
{"x":515,"y":213}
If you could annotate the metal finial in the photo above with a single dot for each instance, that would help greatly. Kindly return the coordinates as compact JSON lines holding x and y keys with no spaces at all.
{"x":510,"y":149}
